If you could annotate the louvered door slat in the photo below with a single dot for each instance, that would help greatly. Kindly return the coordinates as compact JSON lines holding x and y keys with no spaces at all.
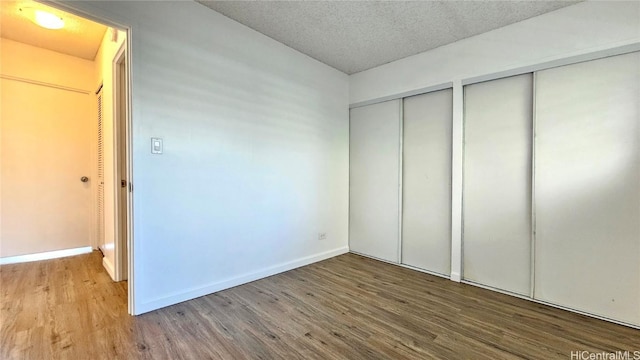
{"x":100,"y":212}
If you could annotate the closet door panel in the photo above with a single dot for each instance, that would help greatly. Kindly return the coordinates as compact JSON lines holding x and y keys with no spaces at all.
{"x":497,"y":183}
{"x":587,"y":187}
{"x":426,"y":181}
{"x":374,"y":164}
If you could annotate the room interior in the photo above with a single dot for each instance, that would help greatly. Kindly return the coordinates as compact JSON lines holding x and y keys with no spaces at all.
{"x":69,"y":73}
{"x":499,"y":161}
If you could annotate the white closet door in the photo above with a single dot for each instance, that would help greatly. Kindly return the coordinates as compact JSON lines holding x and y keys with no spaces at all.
{"x":374,"y":163}
{"x":426,"y":182}
{"x":587,"y":187}
{"x":497,"y":183}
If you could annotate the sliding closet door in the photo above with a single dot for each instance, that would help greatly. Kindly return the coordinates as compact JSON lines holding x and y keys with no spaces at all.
{"x":374,"y":164}
{"x":426,"y":182}
{"x":497,"y":183}
{"x":587,"y":187}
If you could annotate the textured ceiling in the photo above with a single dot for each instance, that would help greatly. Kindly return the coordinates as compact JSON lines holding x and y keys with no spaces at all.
{"x":79,"y":37}
{"x":353,"y":36}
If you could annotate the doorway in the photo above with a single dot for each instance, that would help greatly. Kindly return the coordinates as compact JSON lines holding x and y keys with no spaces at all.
{"x":65,"y":160}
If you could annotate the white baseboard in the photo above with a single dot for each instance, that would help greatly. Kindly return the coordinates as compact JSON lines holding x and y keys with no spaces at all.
{"x":235,"y":281}
{"x":455,"y":276}
{"x":109,"y":267}
{"x":45,"y":255}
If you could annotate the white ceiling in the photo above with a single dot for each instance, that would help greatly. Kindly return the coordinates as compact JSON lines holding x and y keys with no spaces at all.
{"x":353,"y":36}
{"x":79,"y":37}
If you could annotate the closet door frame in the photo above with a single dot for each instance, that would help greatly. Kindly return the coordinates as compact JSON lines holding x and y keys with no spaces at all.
{"x":401,"y":98}
{"x":457,"y":84}
{"x":591,"y":56}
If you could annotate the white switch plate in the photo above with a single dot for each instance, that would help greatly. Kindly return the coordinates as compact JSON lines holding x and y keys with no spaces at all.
{"x":156,"y":145}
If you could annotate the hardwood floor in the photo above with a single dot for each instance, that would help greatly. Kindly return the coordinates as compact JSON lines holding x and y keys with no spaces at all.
{"x":348,"y":307}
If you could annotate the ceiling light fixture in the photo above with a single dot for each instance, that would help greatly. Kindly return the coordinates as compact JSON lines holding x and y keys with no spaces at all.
{"x":42,"y":18}
{"x":48,"y":20}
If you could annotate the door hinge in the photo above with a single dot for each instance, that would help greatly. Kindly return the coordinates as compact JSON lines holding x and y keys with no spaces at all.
{"x":130,"y":187}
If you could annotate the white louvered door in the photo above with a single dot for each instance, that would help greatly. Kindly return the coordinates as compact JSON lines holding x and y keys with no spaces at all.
{"x":100,"y":172}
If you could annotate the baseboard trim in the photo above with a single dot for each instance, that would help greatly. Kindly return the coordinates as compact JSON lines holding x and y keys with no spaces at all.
{"x":235,"y":281}
{"x":45,"y":255}
{"x":109,"y":267}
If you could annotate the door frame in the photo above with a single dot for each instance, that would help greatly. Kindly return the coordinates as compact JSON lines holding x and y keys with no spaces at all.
{"x":121,"y":131}
{"x":96,"y":14}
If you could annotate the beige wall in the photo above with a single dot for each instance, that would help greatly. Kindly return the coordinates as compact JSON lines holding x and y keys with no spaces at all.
{"x":25,"y":61}
{"x":45,"y":147}
{"x":103,"y":72}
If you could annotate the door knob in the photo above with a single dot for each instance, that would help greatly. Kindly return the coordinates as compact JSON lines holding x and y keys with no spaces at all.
{"x":84,"y":179}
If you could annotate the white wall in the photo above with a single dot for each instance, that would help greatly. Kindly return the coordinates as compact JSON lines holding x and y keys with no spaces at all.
{"x":572,"y":30}
{"x":255,"y":159}
{"x":45,"y":147}
{"x":104,"y":75}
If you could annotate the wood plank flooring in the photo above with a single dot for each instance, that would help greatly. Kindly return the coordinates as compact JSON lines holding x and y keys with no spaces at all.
{"x":347,"y":307}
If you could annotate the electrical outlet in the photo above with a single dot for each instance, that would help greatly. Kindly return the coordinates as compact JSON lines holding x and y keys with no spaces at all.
{"x":322,"y":236}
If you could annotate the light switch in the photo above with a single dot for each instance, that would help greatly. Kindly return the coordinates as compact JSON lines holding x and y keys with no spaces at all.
{"x":156,"y":145}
